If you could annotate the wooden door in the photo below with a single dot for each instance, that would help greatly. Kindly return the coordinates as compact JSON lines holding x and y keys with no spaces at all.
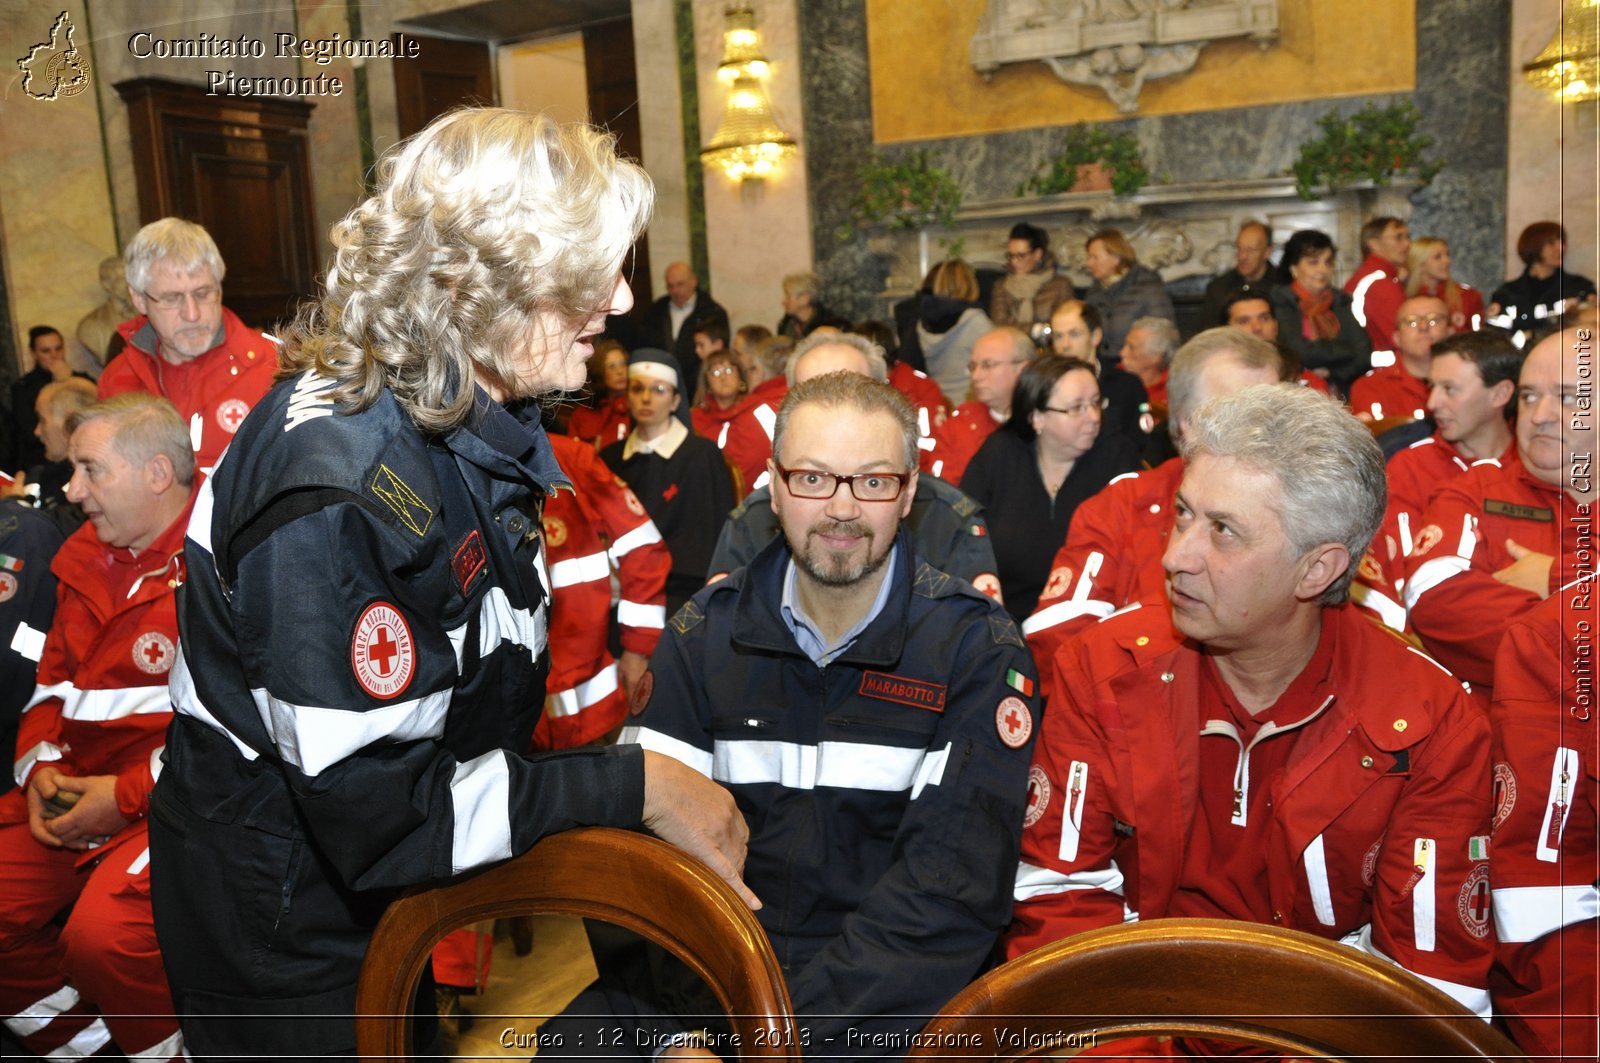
{"x":446,"y":74}
{"x":241,"y":167}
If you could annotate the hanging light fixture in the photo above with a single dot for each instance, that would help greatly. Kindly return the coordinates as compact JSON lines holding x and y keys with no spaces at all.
{"x":749,"y":143}
{"x":1569,"y":66}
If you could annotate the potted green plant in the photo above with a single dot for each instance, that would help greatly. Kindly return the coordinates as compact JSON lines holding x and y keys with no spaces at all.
{"x":1373,"y":144}
{"x":909,"y":193}
{"x":1091,"y":158}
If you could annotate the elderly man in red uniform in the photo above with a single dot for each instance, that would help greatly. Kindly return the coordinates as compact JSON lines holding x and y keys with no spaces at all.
{"x":89,"y":748}
{"x":998,"y":359}
{"x":186,"y":346}
{"x":1491,"y":545}
{"x":1112,"y":556}
{"x":1400,"y":388}
{"x":1253,"y":748}
{"x":1546,"y":854}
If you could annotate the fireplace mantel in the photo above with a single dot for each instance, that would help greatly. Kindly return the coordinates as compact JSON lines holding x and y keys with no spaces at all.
{"x":1180,"y":230}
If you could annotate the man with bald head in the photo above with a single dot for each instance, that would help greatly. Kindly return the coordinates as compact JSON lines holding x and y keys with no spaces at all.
{"x":1400,"y":388}
{"x":1112,"y":556}
{"x":1502,"y":537}
{"x":670,"y":323}
{"x":1253,"y":268}
{"x":998,"y":358}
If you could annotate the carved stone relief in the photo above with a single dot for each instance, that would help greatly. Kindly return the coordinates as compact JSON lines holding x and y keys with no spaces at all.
{"x":1114,"y":45}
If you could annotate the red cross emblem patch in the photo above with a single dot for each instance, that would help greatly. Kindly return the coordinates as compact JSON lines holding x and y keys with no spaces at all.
{"x":1038,"y":795}
{"x":1014,"y":722}
{"x":8,"y":586}
{"x":382,"y":653}
{"x":1473,"y":902}
{"x":154,"y":653}
{"x":231,"y":414}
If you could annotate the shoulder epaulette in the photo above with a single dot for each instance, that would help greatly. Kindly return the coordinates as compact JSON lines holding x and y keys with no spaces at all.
{"x":688,"y":617}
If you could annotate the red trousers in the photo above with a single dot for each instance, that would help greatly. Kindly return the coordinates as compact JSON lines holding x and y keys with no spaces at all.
{"x":66,"y":990}
{"x":461,"y":959}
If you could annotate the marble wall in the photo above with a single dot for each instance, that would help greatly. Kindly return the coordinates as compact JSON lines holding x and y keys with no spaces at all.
{"x":1553,"y":150}
{"x":1466,"y":202}
{"x":56,"y":219}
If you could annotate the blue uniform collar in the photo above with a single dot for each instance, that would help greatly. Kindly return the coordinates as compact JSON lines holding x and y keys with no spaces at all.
{"x":496,"y":436}
{"x":761,"y":624}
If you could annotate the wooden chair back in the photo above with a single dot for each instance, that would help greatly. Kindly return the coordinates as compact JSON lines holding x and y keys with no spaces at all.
{"x":1209,"y":978}
{"x":620,"y":877}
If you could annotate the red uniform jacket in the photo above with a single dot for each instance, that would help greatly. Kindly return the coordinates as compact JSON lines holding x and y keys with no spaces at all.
{"x":602,"y":425}
{"x":1389,"y":392}
{"x":711,"y":421}
{"x":1455,"y":604}
{"x":914,"y":384}
{"x":1414,"y":474}
{"x":1545,"y":859}
{"x":1380,"y":817}
{"x":1375,"y":298}
{"x":953,"y":443}
{"x":101,"y":706}
{"x":1466,"y":311}
{"x":748,"y":442}
{"x":212,"y":392}
{"x":1112,"y":558}
{"x":587,"y":530}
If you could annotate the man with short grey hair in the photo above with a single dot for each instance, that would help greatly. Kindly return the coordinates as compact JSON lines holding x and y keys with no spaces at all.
{"x":1112,"y":556}
{"x":998,"y":359}
{"x":186,"y":346}
{"x":1293,"y":763}
{"x":1147,"y":354}
{"x":89,"y":749}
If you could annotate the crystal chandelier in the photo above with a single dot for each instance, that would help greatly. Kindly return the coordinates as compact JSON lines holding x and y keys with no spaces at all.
{"x":1569,"y":66}
{"x":749,"y":143}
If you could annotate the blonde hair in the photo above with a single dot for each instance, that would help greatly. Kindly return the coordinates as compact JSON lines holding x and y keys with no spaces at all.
{"x":952,"y":279}
{"x":482,"y":225}
{"x":1421,"y":248}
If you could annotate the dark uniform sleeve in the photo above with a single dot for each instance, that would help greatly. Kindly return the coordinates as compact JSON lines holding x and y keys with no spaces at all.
{"x":361,"y":740}
{"x":28,"y":542}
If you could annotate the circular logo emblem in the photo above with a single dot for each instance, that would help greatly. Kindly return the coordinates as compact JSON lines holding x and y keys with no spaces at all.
{"x":381,"y":653}
{"x":555,"y":531}
{"x":8,"y":586}
{"x":231,"y":414}
{"x":1013,"y":721}
{"x":1060,"y":579}
{"x":634,"y":505}
{"x":1038,"y":795}
{"x":1426,"y":540}
{"x":1472,"y":904}
{"x":153,"y":652}
{"x":1369,"y":863}
{"x":1505,"y":793}
{"x":987,"y":583}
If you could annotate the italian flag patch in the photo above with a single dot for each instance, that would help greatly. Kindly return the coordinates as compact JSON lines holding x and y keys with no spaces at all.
{"x":1478,"y":847}
{"x":1019,"y":682}
{"x":10,"y":564}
